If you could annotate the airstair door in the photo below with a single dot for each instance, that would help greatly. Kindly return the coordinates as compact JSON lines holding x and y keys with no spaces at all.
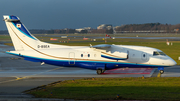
{"x":71,"y":58}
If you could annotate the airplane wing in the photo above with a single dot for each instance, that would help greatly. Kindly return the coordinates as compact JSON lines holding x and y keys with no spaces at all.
{"x":101,"y":46}
{"x":112,"y":55}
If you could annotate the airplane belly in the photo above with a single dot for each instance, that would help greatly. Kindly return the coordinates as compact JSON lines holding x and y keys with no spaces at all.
{"x":87,"y":65}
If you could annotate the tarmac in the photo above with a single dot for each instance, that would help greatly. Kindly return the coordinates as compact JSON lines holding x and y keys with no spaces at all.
{"x":18,"y":75}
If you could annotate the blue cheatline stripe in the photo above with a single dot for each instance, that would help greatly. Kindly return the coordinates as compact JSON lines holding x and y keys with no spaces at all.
{"x":23,"y":29}
{"x":102,"y":62}
{"x":108,"y":57}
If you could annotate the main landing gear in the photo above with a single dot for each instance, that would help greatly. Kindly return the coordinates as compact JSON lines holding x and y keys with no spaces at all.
{"x":100,"y":71}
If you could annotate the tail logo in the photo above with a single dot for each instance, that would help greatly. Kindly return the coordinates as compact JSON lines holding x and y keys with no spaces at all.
{"x":18,"y":25}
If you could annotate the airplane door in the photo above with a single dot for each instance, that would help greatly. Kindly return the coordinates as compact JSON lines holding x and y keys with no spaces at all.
{"x":144,"y":56}
{"x":71,"y":58}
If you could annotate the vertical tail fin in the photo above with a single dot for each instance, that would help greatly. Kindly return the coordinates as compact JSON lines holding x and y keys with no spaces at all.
{"x":19,"y":34}
{"x":22,"y":39}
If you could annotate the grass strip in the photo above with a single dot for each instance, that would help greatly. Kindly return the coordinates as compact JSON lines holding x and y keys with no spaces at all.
{"x":108,"y":88}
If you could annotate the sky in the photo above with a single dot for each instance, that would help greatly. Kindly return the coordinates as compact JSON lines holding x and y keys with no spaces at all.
{"x":60,"y":14}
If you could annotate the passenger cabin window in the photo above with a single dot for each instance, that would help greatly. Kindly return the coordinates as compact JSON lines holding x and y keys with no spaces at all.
{"x":158,"y":53}
{"x":88,"y":55}
{"x":81,"y":55}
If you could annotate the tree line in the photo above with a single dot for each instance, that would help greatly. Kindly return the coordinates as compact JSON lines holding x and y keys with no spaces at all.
{"x":149,"y":27}
{"x":129,"y":28}
{"x":63,"y":31}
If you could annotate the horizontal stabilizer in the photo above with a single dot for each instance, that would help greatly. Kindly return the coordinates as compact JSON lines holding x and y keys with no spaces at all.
{"x":10,"y":18}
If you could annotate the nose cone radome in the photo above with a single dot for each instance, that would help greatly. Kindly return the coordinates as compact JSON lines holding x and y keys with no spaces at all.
{"x":172,"y":62}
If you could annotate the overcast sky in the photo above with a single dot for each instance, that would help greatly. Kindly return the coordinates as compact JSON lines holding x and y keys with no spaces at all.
{"x":59,"y":14}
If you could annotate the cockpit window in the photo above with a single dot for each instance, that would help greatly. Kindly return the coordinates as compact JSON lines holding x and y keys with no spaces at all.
{"x":158,"y":53}
{"x":155,"y":53}
{"x":162,"y":53}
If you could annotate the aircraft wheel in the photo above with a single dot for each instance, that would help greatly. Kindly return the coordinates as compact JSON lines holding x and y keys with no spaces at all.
{"x":161,"y":71}
{"x":99,"y":71}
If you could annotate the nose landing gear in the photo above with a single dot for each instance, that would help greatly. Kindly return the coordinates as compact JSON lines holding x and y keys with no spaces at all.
{"x":161,"y":70}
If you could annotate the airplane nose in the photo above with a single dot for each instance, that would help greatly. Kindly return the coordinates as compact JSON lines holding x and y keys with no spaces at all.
{"x":172,"y":62}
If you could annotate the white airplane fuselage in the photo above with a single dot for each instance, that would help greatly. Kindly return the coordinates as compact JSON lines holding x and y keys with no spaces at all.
{"x":91,"y":58}
{"x":99,"y":57}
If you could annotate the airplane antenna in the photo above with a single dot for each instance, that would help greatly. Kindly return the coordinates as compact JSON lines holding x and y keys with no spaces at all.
{"x":90,"y":45}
